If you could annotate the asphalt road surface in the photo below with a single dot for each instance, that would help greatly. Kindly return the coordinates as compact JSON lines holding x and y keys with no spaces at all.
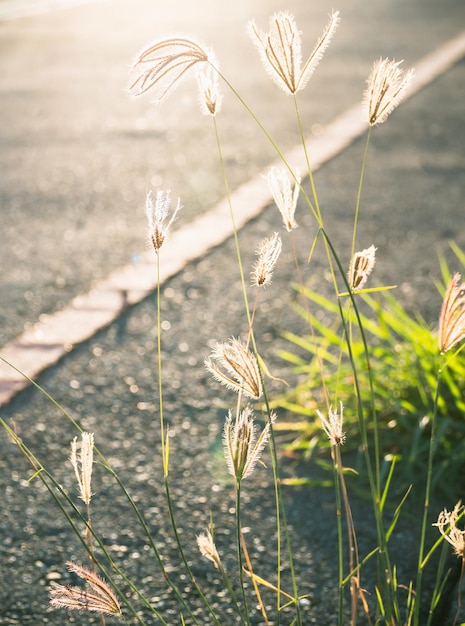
{"x":77,"y":158}
{"x":77,"y":155}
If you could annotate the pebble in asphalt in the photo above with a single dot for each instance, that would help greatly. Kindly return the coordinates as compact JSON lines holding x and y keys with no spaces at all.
{"x":416,"y":166}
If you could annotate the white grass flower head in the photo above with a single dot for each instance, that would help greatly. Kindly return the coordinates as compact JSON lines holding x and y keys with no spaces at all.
{"x":268,"y":253}
{"x":242,"y":447}
{"x":162,"y":64}
{"x":280,"y":184}
{"x":98,"y":598}
{"x":452,"y":318}
{"x":447,"y":525}
{"x":280,"y":50}
{"x":332,"y":425}
{"x":210,"y":96}
{"x":157,"y":217}
{"x":233,"y":365}
{"x":208,"y":549}
{"x":386,"y":86}
{"x":361,"y":266}
{"x":82,"y":462}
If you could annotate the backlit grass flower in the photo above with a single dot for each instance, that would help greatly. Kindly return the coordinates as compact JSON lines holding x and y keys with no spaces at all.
{"x":210,"y":97}
{"x":280,"y":50}
{"x":208,"y":549}
{"x":452,"y":318}
{"x":98,"y":598}
{"x":386,"y":86}
{"x":361,"y":266}
{"x":242,"y":448}
{"x":284,"y":195}
{"x":332,"y":425}
{"x":82,"y":463}
{"x":233,"y":365}
{"x":157,"y":216}
{"x":268,"y":253}
{"x":447,"y":525}
{"x":161,"y":65}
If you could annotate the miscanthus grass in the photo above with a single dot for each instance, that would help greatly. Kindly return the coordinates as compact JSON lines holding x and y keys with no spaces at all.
{"x":237,"y":365}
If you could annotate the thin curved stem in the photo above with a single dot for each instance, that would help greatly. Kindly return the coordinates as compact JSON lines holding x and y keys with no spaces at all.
{"x":359,"y":193}
{"x":160,"y":374}
{"x":459,"y":592}
{"x":239,"y":549}
{"x":165,"y":460}
{"x":429,"y":480}
{"x":316,"y":210}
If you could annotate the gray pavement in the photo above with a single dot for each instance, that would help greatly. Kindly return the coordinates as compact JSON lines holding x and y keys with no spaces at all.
{"x":78,"y":155}
{"x":77,"y":158}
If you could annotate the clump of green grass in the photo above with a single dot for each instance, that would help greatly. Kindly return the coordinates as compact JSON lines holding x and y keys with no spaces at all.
{"x":404,"y":361}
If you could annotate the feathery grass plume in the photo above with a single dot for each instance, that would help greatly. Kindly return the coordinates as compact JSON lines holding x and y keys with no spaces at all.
{"x":332,"y":425}
{"x":82,"y":464}
{"x":99,"y":599}
{"x":210,"y":97}
{"x":268,"y":252}
{"x":241,"y":446}
{"x":208,"y":549}
{"x":280,"y":185}
{"x":161,"y":65}
{"x":157,"y":214}
{"x":280,"y":50}
{"x":233,"y":365}
{"x":361,"y":266}
{"x":447,"y":525}
{"x":452,"y":318}
{"x":386,"y":86}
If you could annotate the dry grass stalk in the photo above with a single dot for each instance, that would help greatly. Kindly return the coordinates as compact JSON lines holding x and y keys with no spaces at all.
{"x":361,"y":266}
{"x":332,"y":425}
{"x":268,"y":253}
{"x":280,"y":50}
{"x":99,"y":599}
{"x":280,"y":185}
{"x":157,"y":215}
{"x":452,"y":318}
{"x":82,"y":464}
{"x":386,"y":86}
{"x":241,"y":446}
{"x":163,"y":64}
{"x":447,"y":525}
{"x":233,"y":365}
{"x":208,"y":549}
{"x":210,"y":97}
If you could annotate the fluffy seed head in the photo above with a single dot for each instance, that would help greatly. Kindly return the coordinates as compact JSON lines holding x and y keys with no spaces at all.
{"x":99,"y":598}
{"x":452,"y":318}
{"x":280,"y":185}
{"x":208,"y":549}
{"x":241,"y":446}
{"x":332,"y":425}
{"x":82,"y":464}
{"x":157,"y":214}
{"x":161,"y":65}
{"x":268,"y":253}
{"x":280,"y":50}
{"x":361,"y":266}
{"x":386,"y":86}
{"x":447,"y":525}
{"x":210,"y":97}
{"x":233,"y":365}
